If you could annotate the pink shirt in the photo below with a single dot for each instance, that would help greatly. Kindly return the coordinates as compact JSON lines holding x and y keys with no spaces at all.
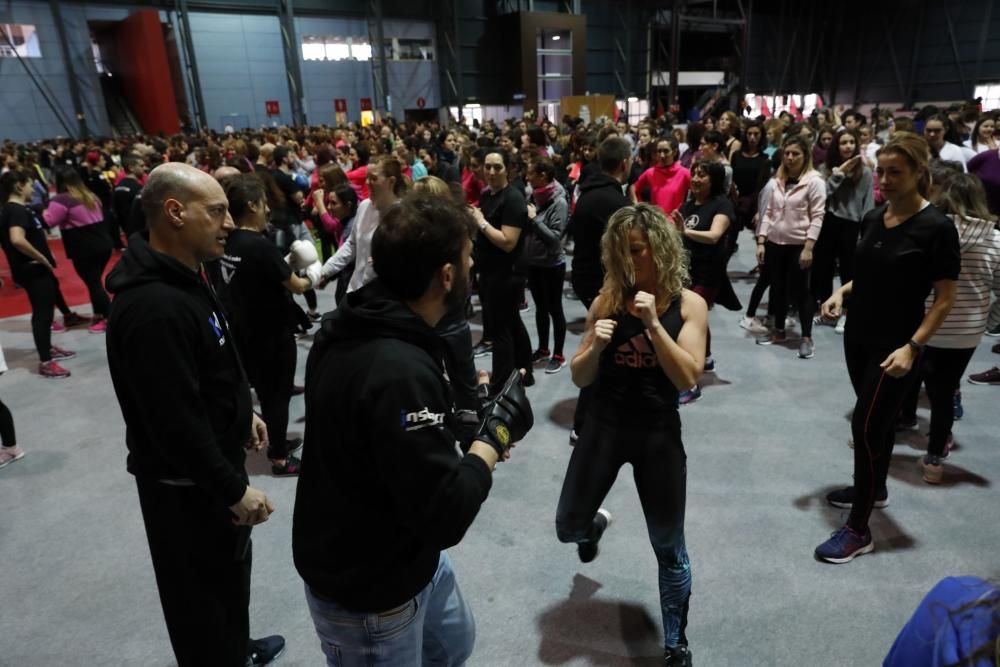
{"x":68,"y":213}
{"x":794,"y":215}
{"x":668,"y":186}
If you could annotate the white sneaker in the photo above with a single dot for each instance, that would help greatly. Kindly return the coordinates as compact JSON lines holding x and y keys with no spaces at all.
{"x":753,"y":325}
{"x":841,"y":323}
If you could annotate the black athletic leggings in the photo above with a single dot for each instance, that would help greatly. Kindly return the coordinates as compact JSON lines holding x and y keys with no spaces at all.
{"x":454,"y":331}
{"x":941,"y":371}
{"x":42,"y":288}
{"x":271,"y":367}
{"x":8,"y":437}
{"x":763,"y":282}
{"x":587,"y":287}
{"x":90,"y":268}
{"x":546,"y":284}
{"x":659,"y":467}
{"x":511,"y":345}
{"x":879,"y":398}
{"x":787,"y":277}
{"x":310,"y":295}
{"x":836,"y":245}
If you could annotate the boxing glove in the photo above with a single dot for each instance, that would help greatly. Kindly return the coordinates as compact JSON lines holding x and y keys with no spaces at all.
{"x":302,"y":255}
{"x":507,"y":418}
{"x":314,"y":272}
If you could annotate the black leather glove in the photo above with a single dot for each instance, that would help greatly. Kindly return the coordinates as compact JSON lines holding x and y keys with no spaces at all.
{"x":507,"y":418}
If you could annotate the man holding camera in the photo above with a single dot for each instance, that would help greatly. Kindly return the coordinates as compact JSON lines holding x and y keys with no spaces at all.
{"x":384,"y":489}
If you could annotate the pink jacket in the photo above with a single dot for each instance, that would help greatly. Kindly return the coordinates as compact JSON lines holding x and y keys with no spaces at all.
{"x":668,"y":186}
{"x":796,"y":215}
{"x":66,"y":212}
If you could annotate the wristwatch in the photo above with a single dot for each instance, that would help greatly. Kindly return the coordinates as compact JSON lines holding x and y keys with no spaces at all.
{"x":483,"y":225}
{"x":917,"y":347}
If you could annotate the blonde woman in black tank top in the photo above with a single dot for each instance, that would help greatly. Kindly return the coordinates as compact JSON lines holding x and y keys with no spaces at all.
{"x":645,"y":340}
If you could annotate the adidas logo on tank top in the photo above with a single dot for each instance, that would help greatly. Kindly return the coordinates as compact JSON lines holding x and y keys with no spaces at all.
{"x":636,"y":352}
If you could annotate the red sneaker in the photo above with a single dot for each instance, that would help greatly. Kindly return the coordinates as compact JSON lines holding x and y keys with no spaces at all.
{"x":52,"y":370}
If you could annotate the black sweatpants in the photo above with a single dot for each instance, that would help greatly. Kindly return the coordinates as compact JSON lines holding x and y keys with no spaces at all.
{"x":8,"y":437}
{"x":834,"y":249}
{"x":941,"y":372}
{"x":91,"y":271}
{"x":41,"y":286}
{"x":511,"y":345}
{"x":659,"y":467}
{"x":271,"y":367}
{"x":788,"y":278}
{"x":202,"y":566}
{"x":879,"y":398}
{"x":587,"y":287}
{"x":546,"y":285}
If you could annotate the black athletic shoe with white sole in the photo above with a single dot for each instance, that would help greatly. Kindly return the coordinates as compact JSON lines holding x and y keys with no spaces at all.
{"x":677,"y":656}
{"x":587,"y":551}
{"x":265,"y":650}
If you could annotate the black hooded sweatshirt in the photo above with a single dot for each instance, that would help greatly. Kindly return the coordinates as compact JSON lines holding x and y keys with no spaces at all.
{"x":600,"y":197}
{"x":175,"y":369}
{"x":383,"y":488}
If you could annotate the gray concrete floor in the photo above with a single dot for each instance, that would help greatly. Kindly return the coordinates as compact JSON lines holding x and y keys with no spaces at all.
{"x":764,"y":445}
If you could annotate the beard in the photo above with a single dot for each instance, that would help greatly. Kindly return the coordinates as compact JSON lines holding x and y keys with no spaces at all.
{"x":455,"y":299}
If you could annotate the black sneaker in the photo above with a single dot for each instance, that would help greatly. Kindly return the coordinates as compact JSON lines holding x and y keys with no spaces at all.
{"x":315,"y":317}
{"x":677,"y":656}
{"x":540,"y":355}
{"x":289,"y":469}
{"x":995,"y":331}
{"x":906,"y":424}
{"x":482,"y":349}
{"x":265,"y":650}
{"x":587,"y":551}
{"x":294,"y":445}
{"x":573,"y":437}
{"x":556,"y":363}
{"x":844,"y":498}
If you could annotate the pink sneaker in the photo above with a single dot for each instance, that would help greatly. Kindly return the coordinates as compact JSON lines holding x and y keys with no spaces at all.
{"x":10,"y":454}
{"x":99,"y":326}
{"x":59,"y":354}
{"x":58,"y":327}
{"x":52,"y":370}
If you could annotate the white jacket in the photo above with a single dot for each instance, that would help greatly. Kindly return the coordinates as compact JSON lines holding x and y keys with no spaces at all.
{"x":357,"y":248}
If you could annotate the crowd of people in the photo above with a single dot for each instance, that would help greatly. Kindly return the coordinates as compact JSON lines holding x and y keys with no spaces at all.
{"x":409,"y":220}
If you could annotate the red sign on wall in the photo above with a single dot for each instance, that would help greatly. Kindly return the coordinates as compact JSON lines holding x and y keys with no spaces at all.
{"x":366,"y":104}
{"x":421,"y":103}
{"x":272,"y":107}
{"x":340,"y":106}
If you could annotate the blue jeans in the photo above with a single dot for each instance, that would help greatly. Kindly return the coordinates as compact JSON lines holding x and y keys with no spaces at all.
{"x":659,"y":466}
{"x":434,"y":628}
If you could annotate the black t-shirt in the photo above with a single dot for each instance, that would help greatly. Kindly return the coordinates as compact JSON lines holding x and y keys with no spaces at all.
{"x":19,"y":215}
{"x":125,"y":193}
{"x":894,"y":271}
{"x":750,"y":173}
{"x":288,"y":187}
{"x":505,"y":208}
{"x":705,"y":258}
{"x":253,"y":271}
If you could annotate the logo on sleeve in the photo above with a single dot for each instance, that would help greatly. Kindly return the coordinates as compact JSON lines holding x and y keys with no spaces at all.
{"x":414,"y":421}
{"x":217,"y":328}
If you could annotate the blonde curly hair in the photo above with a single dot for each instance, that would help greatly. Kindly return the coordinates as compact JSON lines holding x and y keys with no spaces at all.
{"x":666,"y":246}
